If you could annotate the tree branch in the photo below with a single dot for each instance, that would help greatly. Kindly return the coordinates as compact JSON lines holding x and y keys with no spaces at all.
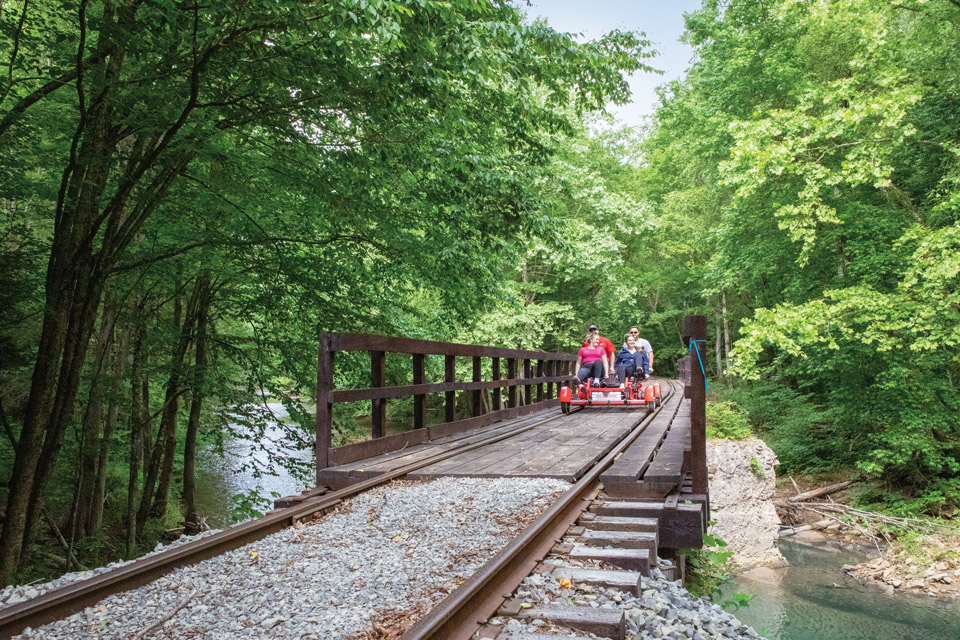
{"x":16,"y":49}
{"x":18,"y":110}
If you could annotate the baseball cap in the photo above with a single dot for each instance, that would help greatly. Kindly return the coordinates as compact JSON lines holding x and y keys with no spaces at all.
{"x":592,"y":327}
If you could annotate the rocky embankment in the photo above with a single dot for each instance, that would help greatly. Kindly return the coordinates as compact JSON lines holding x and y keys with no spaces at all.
{"x":742,"y":489}
{"x":899,"y":571}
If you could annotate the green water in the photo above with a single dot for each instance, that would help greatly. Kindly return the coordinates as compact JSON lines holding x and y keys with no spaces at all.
{"x":813,"y":599}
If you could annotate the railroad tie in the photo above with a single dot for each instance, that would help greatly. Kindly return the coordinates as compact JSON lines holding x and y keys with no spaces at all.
{"x":609,"y":623}
{"x":630,"y":559}
{"x":608,"y":578}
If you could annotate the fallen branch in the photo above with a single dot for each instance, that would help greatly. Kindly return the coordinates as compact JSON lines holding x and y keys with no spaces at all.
{"x":159,"y":623}
{"x":822,"y":491}
{"x":56,"y":531}
{"x":874,"y":518}
{"x":805,"y":527}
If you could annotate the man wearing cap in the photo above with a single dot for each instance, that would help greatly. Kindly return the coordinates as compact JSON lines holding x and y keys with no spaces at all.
{"x":605,"y":344}
{"x":642,"y":344}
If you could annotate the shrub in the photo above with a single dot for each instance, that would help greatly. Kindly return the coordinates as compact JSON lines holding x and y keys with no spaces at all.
{"x":724,"y":420}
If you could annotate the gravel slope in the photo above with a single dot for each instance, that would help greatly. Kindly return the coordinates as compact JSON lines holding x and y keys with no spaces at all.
{"x":382,"y":559}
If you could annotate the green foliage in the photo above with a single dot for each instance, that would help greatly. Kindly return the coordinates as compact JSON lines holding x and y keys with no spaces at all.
{"x":709,"y":569}
{"x":757,"y":468}
{"x":726,"y":421}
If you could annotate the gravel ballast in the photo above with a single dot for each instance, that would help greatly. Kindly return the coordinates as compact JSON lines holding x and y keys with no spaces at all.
{"x":664,"y":609}
{"x":380,"y":560}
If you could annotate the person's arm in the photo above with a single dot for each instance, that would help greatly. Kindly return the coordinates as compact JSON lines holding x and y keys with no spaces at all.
{"x":606,"y":366}
{"x":579,"y":360}
{"x":650,"y":359}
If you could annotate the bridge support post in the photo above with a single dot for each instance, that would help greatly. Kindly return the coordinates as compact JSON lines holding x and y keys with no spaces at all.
{"x":450,"y":400}
{"x":324,"y":415}
{"x":695,"y":329}
{"x":419,"y":377}
{"x":477,"y":377}
{"x":378,"y":415}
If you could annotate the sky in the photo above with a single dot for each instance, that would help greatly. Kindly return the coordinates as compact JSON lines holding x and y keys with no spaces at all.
{"x":662,"y":21}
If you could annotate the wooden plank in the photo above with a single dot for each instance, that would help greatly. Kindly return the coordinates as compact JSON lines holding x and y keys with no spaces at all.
{"x":630,"y":559}
{"x":497,"y":393}
{"x":619,"y":523}
{"x":418,"y":399}
{"x":391,"y":344}
{"x":622,"y":540}
{"x":378,"y":413}
{"x":370,"y":448}
{"x":606,"y":623}
{"x":540,"y":384}
{"x":695,"y":334}
{"x":357,"y":395}
{"x":477,"y":404}
{"x":512,"y":375}
{"x":324,"y":415}
{"x":620,"y":580}
{"x":450,"y":397}
{"x":680,"y":527}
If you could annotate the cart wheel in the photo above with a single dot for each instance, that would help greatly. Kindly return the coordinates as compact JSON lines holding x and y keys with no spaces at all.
{"x":565,"y":408}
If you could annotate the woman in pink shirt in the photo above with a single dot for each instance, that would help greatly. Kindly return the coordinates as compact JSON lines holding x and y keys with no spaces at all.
{"x":592,"y":361}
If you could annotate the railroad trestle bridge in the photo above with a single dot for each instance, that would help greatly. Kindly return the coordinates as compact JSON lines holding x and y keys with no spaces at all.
{"x":638,"y":474}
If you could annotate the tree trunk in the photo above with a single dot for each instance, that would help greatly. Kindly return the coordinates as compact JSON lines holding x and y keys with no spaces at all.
{"x":137,"y":420}
{"x":190,"y":516}
{"x":171,"y":405}
{"x":92,"y":419}
{"x":718,"y":349}
{"x":95,"y":514}
{"x":73,"y":285}
{"x":726,"y":333}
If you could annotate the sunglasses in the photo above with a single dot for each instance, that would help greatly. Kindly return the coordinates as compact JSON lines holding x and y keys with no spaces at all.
{"x":633,"y":333}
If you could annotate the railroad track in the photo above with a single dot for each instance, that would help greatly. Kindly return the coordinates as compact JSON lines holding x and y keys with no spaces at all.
{"x":66,"y":600}
{"x":464,"y":613}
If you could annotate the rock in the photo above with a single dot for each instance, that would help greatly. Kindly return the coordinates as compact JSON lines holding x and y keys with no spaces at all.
{"x":270,"y":623}
{"x":741,"y":503}
{"x":765,"y":575}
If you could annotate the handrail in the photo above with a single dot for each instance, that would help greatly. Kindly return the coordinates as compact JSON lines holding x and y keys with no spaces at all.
{"x":551,"y":369}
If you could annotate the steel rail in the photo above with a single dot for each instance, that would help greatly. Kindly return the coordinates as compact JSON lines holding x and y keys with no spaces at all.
{"x":68,"y":599}
{"x":462,"y":613}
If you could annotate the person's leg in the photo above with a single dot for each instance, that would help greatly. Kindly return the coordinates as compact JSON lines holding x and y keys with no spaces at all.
{"x":622,"y":372}
{"x":584,"y":372}
{"x":597,"y":371}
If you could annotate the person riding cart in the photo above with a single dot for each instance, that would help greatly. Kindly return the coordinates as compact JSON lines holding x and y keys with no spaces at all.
{"x":631,"y":361}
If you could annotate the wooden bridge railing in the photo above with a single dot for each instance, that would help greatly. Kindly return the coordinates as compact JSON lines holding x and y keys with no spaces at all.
{"x":692,"y":373}
{"x":551,"y":369}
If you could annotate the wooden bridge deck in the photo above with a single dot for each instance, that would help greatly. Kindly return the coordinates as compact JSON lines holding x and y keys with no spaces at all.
{"x":551,"y":447}
{"x":652,"y":478}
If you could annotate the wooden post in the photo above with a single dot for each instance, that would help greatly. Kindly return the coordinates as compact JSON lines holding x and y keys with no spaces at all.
{"x":324,"y":415}
{"x":497,"y":391}
{"x":539,"y":384}
{"x":449,"y":375}
{"x":527,"y":388}
{"x":477,"y":406}
{"x":695,"y":331}
{"x":512,"y":377}
{"x":378,"y":416}
{"x":551,"y":367}
{"x":418,"y":378}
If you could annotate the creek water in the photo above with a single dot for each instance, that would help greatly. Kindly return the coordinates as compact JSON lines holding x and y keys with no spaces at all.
{"x":812,"y":599}
{"x":221,"y":477}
